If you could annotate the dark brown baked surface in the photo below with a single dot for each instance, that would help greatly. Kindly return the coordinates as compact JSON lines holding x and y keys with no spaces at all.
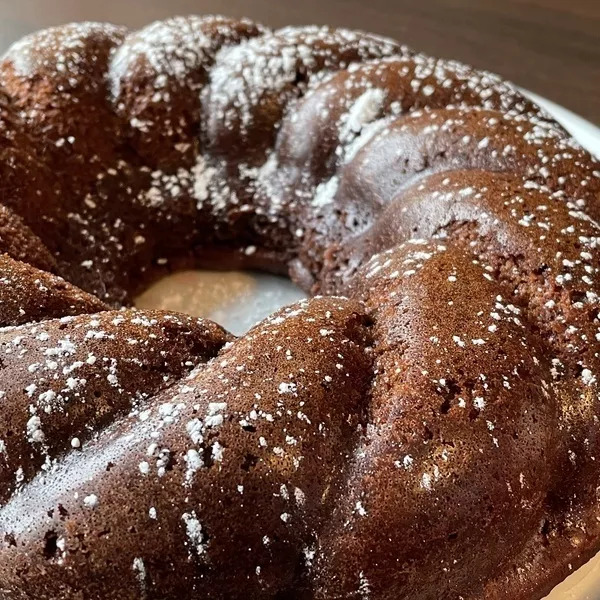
{"x":425,"y":427}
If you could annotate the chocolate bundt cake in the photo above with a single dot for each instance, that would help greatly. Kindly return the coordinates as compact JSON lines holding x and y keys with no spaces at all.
{"x":425,"y":427}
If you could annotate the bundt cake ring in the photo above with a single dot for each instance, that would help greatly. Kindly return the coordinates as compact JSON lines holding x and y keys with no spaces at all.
{"x":425,"y":427}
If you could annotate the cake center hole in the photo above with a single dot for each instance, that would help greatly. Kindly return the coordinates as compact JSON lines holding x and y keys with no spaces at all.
{"x":236,"y":300}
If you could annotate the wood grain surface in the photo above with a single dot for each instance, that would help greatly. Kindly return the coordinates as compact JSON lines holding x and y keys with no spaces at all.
{"x":551,"y":47}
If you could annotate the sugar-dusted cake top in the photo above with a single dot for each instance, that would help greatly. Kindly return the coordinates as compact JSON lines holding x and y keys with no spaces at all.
{"x":424,"y":426}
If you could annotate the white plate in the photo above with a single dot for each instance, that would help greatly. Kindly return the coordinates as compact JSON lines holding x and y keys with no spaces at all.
{"x":234,"y":299}
{"x":587,"y":134}
{"x":239,"y":300}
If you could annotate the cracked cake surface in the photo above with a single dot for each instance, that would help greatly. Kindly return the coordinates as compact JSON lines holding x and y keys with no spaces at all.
{"x":425,"y":426}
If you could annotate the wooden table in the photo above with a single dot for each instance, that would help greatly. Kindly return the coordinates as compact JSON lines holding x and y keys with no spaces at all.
{"x":551,"y":47}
